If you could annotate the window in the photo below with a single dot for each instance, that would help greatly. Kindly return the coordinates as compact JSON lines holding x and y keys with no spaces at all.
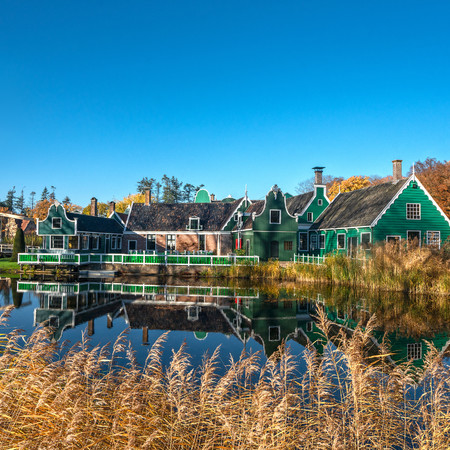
{"x":309,"y":327}
{"x":274,"y":333}
{"x":322,"y":241}
{"x":309,"y":217}
{"x":247,"y":247}
{"x":365,"y":240}
{"x":132,"y":245}
{"x":275,"y":216}
{"x":194,"y":223}
{"x":414,"y":351}
{"x":171,"y":242}
{"x":74,"y":242}
{"x":341,"y":240}
{"x":413,"y":211}
{"x":320,"y":202}
{"x":201,"y":242}
{"x":434,"y":238}
{"x":288,"y":245}
{"x":414,"y":238}
{"x":95,"y":242}
{"x":85,"y":242}
{"x":313,"y":241}
{"x":303,"y":242}
{"x":391,"y":239}
{"x":151,"y":242}
{"x":57,"y":242}
{"x":114,"y":243}
{"x":192,"y":313}
{"x":119,"y":242}
{"x":236,"y":217}
{"x":56,"y":223}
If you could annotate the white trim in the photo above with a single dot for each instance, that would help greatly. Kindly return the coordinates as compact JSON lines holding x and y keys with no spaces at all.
{"x":57,"y":236}
{"x":279,"y":333}
{"x":265,"y":204}
{"x":129,"y":215}
{"x":235,"y":210}
{"x":144,"y":233}
{"x":434,"y":231}
{"x":60,"y":223}
{"x":432,"y":199}
{"x":365,"y":232}
{"x":146,"y":243}
{"x":308,"y":215}
{"x":314,"y":196}
{"x":97,"y":238}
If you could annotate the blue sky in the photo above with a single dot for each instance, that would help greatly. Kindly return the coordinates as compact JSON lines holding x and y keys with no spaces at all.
{"x":96,"y":95}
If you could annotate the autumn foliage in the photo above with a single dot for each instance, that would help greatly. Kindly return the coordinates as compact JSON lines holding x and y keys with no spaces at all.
{"x":40,"y":210}
{"x":350,"y":184}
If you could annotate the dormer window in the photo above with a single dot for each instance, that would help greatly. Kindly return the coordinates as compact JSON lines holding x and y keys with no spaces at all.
{"x":194,"y":223}
{"x":56,"y":223}
{"x":275,"y":216}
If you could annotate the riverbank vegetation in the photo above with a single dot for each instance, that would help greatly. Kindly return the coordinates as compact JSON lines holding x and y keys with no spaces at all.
{"x":7,"y":266}
{"x":393,"y":268}
{"x":85,"y":399}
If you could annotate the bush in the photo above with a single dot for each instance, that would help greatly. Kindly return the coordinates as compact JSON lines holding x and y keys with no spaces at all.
{"x":19,"y":244}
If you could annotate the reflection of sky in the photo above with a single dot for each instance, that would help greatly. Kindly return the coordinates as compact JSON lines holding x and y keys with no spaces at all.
{"x":229,"y":345}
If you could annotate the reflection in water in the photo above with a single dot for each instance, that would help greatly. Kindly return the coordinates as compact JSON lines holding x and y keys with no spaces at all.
{"x":269,"y":315}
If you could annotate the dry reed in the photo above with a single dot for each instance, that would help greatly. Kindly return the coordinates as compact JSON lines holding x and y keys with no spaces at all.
{"x":85,"y":399}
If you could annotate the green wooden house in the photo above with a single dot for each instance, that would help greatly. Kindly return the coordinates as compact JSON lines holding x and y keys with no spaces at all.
{"x":270,"y":228}
{"x":401,"y":210}
{"x":64,"y":231}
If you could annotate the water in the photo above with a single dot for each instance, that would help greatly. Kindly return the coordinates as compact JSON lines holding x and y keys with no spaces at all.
{"x":204,"y":316}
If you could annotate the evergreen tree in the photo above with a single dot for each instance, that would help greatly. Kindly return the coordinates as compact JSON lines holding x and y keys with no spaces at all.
{"x":146,"y":183}
{"x":44,"y":195}
{"x":66,"y":200}
{"x":189,"y":193}
{"x":158,"y":192}
{"x":177,"y":192}
{"x":167,"y":194}
{"x":19,"y":244}
{"x":20,"y":203}
{"x":10,"y":199}
{"x":52,"y":194}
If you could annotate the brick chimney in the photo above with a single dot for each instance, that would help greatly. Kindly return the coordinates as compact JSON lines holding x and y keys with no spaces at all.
{"x":397,"y":169}
{"x":318,"y":175}
{"x":213,"y":197}
{"x":147,"y":197}
{"x":93,"y":206}
{"x":112,"y":207}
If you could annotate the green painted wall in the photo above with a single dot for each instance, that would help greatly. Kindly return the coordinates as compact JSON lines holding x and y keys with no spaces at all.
{"x":231,"y":223}
{"x":45,"y":226}
{"x":394,"y":221}
{"x":314,"y":207}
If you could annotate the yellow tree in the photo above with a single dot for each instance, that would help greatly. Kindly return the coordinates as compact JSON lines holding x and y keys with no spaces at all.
{"x":350,"y":184}
{"x":123,"y":204}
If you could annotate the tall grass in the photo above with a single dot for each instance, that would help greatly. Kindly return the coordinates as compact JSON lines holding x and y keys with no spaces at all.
{"x":412,"y":270}
{"x":86,"y":399}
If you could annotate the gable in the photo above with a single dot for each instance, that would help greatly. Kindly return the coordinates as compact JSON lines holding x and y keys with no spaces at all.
{"x":45,"y":227}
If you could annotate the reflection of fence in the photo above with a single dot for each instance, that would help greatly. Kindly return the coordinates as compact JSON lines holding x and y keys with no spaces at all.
{"x":309,"y":259}
{"x":136,"y":259}
{"x":137,"y":289}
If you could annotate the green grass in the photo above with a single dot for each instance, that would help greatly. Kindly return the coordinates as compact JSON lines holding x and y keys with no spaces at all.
{"x":6,"y":265}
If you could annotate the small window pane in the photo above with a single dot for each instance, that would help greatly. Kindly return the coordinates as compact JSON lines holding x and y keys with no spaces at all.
{"x":413,"y":211}
{"x":414,"y":351}
{"x":434,"y":239}
{"x":303,"y":242}
{"x":341,"y":241}
{"x":275,"y":216}
{"x":74,"y":243}
{"x":201,"y":242}
{"x":365,"y":240}
{"x":171,"y":242}
{"x":322,"y":241}
{"x":151,"y":242}
{"x":288,"y":245}
{"x":132,"y":245}
{"x":56,"y":223}
{"x":310,"y":217}
{"x":57,"y":242}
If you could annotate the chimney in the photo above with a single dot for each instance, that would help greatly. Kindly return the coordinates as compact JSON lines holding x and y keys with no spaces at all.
{"x":397,"y":169}
{"x":213,"y":197}
{"x":112,"y":207}
{"x":318,"y":174}
{"x":93,"y":206}
{"x":147,"y":197}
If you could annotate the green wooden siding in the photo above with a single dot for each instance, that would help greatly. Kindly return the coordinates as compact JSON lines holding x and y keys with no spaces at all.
{"x":394,"y":221}
{"x":231,"y":223}
{"x":314,"y":207}
{"x":67,"y":226}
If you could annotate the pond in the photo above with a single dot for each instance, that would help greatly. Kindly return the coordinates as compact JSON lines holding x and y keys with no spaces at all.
{"x":205,"y":315}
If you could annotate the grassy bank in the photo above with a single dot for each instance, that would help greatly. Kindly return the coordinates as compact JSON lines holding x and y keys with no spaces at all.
{"x":420,"y":270}
{"x":84,"y":400}
{"x":7,"y":266}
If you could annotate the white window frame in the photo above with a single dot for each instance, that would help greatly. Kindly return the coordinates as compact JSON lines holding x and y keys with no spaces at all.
{"x":135,"y":242}
{"x":279,"y":333}
{"x":414,"y":350}
{"x":361,"y":240}
{"x":78,"y":242}
{"x":310,"y":217}
{"x":114,"y":242}
{"x":147,"y":239}
{"x":337,"y":241}
{"x":279,"y":217}
{"x":439,"y":238}
{"x":54,"y":227}
{"x":200,"y":237}
{"x":307,"y":241}
{"x":174,"y":241}
{"x":399,"y":238}
{"x":414,"y":205}
{"x":322,"y":237}
{"x":52,"y":247}
{"x":84,"y":242}
{"x":198,"y":227}
{"x":415,"y":231}
{"x":319,"y":202}
{"x":119,"y":242}
{"x":313,"y":242}
{"x":95,"y":239}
